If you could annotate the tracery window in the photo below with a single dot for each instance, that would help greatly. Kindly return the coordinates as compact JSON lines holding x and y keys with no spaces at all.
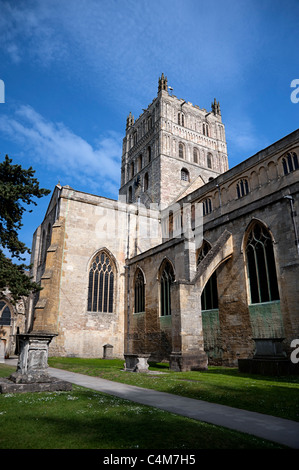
{"x":167,"y":278}
{"x":209,"y":296}
{"x":139,"y":292}
{"x":242,"y":188}
{"x":5,"y":314}
{"x":290,"y":163}
{"x":101,"y":284}
{"x":261,"y":265}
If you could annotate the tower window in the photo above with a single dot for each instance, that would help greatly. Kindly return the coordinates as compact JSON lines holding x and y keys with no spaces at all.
{"x":146,"y":182}
{"x":139,"y":293}
{"x":167,"y":278}
{"x":185,"y":174}
{"x":205,"y":129}
{"x":242,"y":188}
{"x":290,"y":163}
{"x":139,"y":163}
{"x":261,"y":265}
{"x":149,"y":154}
{"x":181,"y":150}
{"x":209,"y":160}
{"x":130,"y":195}
{"x":101,"y":284}
{"x":195,"y":155}
{"x":131,"y":169}
{"x":181,"y":119}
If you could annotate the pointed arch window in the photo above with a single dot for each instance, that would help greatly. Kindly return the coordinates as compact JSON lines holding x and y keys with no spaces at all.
{"x":146,"y":182}
{"x":167,"y":278}
{"x":101,"y":284}
{"x":195,"y":155}
{"x":209,"y":296}
{"x":5,"y":314}
{"x":209,"y":160}
{"x":261,"y":265}
{"x":139,"y":292}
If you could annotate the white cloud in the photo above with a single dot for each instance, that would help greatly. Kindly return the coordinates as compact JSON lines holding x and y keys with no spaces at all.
{"x":58,"y":149}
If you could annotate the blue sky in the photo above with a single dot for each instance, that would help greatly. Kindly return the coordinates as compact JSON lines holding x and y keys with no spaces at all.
{"x":74,"y":69}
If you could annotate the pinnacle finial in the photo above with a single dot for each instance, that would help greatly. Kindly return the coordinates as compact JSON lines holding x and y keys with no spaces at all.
{"x":162,"y":83}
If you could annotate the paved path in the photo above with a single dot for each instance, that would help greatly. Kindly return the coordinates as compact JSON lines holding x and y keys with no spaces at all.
{"x":278,"y":430}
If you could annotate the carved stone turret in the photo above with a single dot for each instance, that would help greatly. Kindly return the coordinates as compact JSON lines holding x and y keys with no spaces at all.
{"x":162,"y":83}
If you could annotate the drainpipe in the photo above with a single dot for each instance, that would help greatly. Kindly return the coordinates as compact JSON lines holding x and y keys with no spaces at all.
{"x":293,"y":214}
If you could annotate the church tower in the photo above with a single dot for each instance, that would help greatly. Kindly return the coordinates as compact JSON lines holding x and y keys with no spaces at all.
{"x":171,"y":149}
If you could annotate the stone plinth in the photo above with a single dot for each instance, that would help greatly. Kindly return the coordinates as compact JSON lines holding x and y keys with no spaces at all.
{"x":181,"y":362}
{"x":136,"y":362}
{"x":31,"y":374}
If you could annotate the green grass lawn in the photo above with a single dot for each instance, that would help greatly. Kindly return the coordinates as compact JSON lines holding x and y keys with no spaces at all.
{"x":277,"y":396}
{"x":85,"y":419}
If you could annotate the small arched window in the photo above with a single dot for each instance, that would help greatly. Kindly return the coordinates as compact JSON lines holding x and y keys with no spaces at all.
{"x":205,"y":129}
{"x":149,"y":153}
{"x":130,"y":195}
{"x":167,"y":278}
{"x":181,"y":119}
{"x":290,"y":163}
{"x":101,"y":284}
{"x":181,"y":150}
{"x":146,"y":182}
{"x":132,"y":170}
{"x":195,"y":155}
{"x":209,"y":160}
{"x":139,"y":163}
{"x":5,"y":314}
{"x":261,"y":265}
{"x":185,"y":175}
{"x":207,"y":206}
{"x":242,"y":188}
{"x":139,"y":292}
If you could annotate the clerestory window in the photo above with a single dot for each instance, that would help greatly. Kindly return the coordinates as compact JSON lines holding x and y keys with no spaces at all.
{"x":290,"y":163}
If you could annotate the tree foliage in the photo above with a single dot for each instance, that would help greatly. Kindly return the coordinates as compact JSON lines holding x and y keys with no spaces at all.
{"x":18,"y":190}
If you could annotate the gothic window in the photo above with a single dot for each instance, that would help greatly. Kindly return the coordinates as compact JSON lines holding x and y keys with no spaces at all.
{"x":209,"y":296}
{"x":242,"y":188}
{"x":135,"y":138}
{"x":149,"y":122}
{"x":261,"y":265}
{"x":209,"y":160}
{"x":167,"y":278}
{"x":139,"y":292}
{"x":185,"y":174}
{"x":146,"y":182}
{"x":290,"y":163}
{"x":101,"y":284}
{"x":195,"y":155}
{"x":207,"y":206}
{"x":181,"y":150}
{"x":5,"y":315}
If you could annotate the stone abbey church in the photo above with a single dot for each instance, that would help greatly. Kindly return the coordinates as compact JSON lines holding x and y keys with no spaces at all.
{"x":192,"y":264}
